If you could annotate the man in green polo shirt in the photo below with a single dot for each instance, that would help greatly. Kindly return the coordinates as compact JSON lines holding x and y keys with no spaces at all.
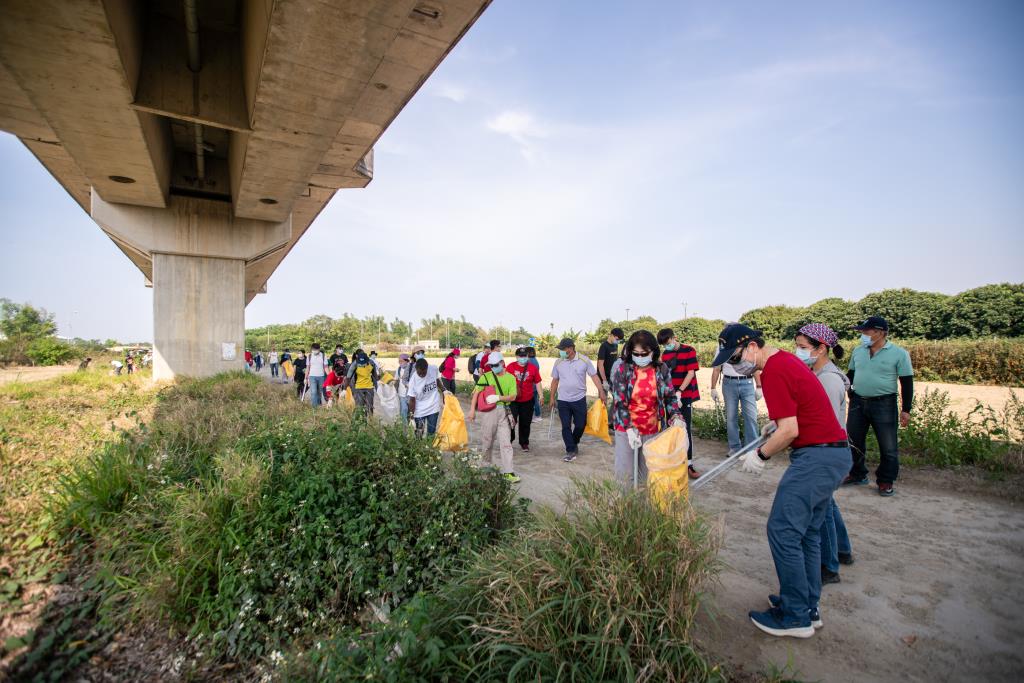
{"x":875,"y":368}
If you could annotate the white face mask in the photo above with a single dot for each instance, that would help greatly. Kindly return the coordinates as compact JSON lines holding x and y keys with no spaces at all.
{"x":805,"y":355}
{"x":499,"y":368}
{"x":642,"y":361}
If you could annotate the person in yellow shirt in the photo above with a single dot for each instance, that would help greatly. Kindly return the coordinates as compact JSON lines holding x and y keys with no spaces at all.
{"x":362,"y":377}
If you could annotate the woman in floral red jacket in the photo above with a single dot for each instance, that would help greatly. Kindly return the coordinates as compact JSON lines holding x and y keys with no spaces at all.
{"x":644,"y":402}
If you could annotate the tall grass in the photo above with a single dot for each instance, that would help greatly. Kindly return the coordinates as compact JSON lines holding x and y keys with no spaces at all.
{"x":607,"y":591}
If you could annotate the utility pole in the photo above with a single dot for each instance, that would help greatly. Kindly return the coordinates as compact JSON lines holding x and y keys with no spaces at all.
{"x":378,"y":333}
{"x":447,"y":336}
{"x":627,"y":315}
{"x":684,"y":310}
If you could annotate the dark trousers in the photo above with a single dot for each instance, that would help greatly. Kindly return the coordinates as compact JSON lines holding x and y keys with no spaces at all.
{"x":448,"y":384}
{"x":880,"y":413}
{"x":686,"y":408}
{"x":300,"y":383}
{"x":573,"y":415}
{"x":522,"y":413}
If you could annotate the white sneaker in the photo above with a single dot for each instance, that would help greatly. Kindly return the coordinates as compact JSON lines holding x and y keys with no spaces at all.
{"x":537,"y":419}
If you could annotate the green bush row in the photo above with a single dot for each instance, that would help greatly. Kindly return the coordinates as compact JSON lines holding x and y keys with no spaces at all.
{"x":247,"y":521}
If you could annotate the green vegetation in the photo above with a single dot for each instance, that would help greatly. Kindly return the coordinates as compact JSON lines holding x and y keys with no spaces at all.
{"x":607,"y":591}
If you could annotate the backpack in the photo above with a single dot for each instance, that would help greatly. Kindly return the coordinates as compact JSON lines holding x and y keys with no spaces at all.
{"x":472,"y":364}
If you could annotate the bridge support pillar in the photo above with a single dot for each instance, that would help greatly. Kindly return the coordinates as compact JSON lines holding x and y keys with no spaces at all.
{"x":199,"y":257}
{"x":198,"y":315}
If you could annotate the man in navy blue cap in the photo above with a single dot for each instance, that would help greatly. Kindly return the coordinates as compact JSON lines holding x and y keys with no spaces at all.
{"x":820,"y":457}
{"x":875,"y":367}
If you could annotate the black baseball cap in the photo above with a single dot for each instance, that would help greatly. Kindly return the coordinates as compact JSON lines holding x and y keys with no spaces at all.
{"x":731,"y":338}
{"x":567,"y":343}
{"x":874,"y":322}
{"x":521,"y":351}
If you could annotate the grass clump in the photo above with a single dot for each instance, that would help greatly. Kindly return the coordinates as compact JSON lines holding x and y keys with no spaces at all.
{"x":243,"y":518}
{"x":607,"y":591}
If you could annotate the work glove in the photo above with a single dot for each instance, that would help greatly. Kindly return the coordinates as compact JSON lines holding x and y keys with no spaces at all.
{"x":715,"y":395}
{"x":769,"y":427}
{"x":751,"y":464}
{"x":492,"y":399}
{"x":412,"y":423}
{"x":607,"y":387}
{"x":634,"y":438}
{"x":758,"y":394}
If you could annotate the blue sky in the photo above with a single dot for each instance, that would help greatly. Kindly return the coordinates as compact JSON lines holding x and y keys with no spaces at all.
{"x":569,"y":160}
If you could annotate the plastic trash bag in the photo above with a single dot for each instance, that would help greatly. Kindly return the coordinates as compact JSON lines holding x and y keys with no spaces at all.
{"x":451,"y":427}
{"x":667,"y":466}
{"x":597,"y":422}
{"x":387,"y":378}
{"x":388,"y":396}
{"x":350,"y":400}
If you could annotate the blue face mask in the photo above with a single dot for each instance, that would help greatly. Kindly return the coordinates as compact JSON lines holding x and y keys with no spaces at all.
{"x":865,"y":340}
{"x":642,"y":361}
{"x":670,"y":347}
{"x":805,"y":355}
{"x":563,"y":354}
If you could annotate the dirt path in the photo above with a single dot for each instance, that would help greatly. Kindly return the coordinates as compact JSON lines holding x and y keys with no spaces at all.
{"x":27,"y":373}
{"x":935,"y":593}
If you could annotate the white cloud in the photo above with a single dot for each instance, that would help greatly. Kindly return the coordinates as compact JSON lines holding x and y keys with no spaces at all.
{"x":450,"y":91}
{"x":521,"y":127}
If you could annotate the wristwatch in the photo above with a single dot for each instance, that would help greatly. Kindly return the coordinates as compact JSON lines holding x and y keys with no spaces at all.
{"x":761,"y":455}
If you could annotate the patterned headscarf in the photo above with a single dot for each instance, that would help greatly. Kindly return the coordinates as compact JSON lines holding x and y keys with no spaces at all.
{"x":820,"y":333}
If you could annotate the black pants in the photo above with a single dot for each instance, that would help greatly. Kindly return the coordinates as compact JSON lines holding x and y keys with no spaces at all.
{"x":686,"y":408}
{"x":880,"y":413}
{"x":300,"y":381}
{"x":573,"y":416}
{"x":522,"y":413}
{"x":448,"y":384}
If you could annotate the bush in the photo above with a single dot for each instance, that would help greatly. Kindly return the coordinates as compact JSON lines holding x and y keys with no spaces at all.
{"x":607,"y":591}
{"x":241,"y":516}
{"x":49,"y":351}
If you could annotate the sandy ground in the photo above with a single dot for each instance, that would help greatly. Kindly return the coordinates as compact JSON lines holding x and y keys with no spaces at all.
{"x":26,"y":373}
{"x":934,"y":595}
{"x":963,"y":397}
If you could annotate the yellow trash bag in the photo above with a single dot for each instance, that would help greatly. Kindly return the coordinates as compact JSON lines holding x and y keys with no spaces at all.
{"x":597,"y":422}
{"x":286,"y":368}
{"x":387,"y":378}
{"x":350,"y":400}
{"x":451,"y":427}
{"x":667,"y":476}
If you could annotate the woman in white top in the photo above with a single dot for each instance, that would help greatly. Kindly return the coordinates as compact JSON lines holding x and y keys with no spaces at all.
{"x":813,"y":343}
{"x":402,"y":379}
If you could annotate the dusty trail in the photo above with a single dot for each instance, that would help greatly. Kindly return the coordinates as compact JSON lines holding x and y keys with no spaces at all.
{"x":934,"y":595}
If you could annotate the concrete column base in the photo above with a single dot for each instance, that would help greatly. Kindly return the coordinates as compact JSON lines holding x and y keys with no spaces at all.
{"x":198,"y":315}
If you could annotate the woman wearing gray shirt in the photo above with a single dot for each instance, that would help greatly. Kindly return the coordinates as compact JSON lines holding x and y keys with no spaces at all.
{"x":813,"y":343}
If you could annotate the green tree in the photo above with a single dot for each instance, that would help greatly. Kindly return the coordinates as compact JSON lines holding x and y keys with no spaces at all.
{"x":910,"y":313}
{"x":989,"y":311}
{"x":773,"y":321}
{"x":839,"y":314}
{"x":695,"y":330}
{"x":24,"y":320}
{"x":49,"y":351}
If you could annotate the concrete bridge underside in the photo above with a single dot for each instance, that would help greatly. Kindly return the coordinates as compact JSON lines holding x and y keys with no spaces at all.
{"x":205,"y":136}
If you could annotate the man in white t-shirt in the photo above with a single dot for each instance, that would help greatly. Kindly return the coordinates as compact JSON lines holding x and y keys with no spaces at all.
{"x":425,"y":397}
{"x":274,"y":362}
{"x":741,"y":395}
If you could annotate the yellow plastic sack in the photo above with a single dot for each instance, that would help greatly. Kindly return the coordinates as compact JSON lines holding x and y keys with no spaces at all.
{"x":350,"y":400}
{"x":667,"y":476}
{"x":597,"y":422}
{"x":451,"y":428}
{"x":286,"y":368}
{"x":387,"y":378}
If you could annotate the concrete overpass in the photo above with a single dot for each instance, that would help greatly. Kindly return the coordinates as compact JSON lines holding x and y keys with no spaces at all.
{"x":205,"y":136}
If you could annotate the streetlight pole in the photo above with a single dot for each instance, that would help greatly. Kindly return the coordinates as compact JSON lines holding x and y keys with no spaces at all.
{"x":627,"y":315}
{"x":684,"y":310}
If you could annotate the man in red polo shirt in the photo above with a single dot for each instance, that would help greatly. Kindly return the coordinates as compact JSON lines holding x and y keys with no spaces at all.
{"x":683,"y":366}
{"x":820,"y":458}
{"x":527,"y":379}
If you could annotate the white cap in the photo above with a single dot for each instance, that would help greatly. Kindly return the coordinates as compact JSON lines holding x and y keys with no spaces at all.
{"x":494,"y":358}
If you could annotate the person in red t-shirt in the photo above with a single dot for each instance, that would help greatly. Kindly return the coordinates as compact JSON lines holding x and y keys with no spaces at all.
{"x":334,"y":383}
{"x":683,"y":366}
{"x":527,"y":379}
{"x":485,"y":365}
{"x":806,"y":422}
{"x":447,"y":369}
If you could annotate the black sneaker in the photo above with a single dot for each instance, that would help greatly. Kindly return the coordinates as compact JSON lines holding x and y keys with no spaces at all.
{"x":569,"y":457}
{"x":828,"y":576}
{"x":846,"y":558}
{"x":850,"y":480}
{"x":816,"y":622}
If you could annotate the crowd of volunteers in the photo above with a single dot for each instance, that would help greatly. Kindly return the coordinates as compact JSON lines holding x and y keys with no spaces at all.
{"x":818,"y":413}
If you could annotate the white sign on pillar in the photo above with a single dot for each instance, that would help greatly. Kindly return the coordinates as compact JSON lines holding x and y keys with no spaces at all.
{"x":228,"y":350}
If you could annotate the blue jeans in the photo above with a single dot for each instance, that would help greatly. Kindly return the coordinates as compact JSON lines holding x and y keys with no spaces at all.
{"x":739,"y":395}
{"x":430,"y":422}
{"x":882,"y":414}
{"x":273,"y":369}
{"x":316,"y":390}
{"x":834,"y":539}
{"x":536,"y":402}
{"x":798,"y":511}
{"x":403,"y":408}
{"x":573,"y":415}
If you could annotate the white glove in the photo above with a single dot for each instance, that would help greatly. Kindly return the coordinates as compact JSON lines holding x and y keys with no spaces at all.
{"x":751,"y":464}
{"x":492,"y":399}
{"x":768,"y":428}
{"x":607,"y":387}
{"x":412,"y":423}
{"x":758,"y":394}
{"x":634,"y":438}
{"x":715,"y":396}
